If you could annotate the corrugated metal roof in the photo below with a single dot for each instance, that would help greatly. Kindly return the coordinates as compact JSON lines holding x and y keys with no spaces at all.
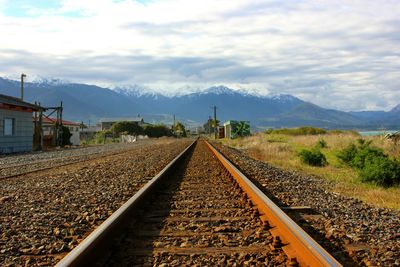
{"x":64,"y":122}
{"x":10,"y":100}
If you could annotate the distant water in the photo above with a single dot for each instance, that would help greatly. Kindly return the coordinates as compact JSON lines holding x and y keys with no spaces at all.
{"x":376,"y":133}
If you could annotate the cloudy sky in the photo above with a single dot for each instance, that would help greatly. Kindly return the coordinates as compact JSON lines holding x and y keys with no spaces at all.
{"x":338,"y":54}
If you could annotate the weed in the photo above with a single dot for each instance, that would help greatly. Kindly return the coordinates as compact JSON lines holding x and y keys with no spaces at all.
{"x":321,"y":144}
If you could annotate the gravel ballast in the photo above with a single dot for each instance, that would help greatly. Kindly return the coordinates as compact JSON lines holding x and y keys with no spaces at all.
{"x":354,"y":232}
{"x":46,"y":214}
{"x":22,"y":163}
{"x":198,"y":217}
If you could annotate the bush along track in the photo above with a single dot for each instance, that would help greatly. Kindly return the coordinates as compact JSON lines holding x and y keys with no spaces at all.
{"x":372,"y":164}
{"x":314,"y":157}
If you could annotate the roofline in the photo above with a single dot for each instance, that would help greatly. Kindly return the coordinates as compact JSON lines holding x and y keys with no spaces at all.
{"x":14,"y":101}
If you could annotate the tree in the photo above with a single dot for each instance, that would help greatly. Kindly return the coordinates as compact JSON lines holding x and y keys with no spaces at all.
{"x":128,"y":127}
{"x":157,"y":130}
{"x":180,"y":129}
{"x":241,"y":129}
{"x":66,"y":135}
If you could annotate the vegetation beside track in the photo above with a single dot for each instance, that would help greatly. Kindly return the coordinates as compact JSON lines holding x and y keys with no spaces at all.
{"x":282,"y":150}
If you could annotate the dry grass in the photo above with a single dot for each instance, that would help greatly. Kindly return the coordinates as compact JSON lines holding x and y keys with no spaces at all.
{"x":281,"y":151}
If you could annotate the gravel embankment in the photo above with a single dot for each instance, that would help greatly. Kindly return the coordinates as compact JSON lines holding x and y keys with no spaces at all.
{"x":44,"y":215}
{"x":352,"y":231}
{"x":22,"y":163}
{"x":198,"y":219}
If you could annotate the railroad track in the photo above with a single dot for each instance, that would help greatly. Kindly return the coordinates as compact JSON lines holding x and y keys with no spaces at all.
{"x":199,"y":210}
{"x":17,"y":170}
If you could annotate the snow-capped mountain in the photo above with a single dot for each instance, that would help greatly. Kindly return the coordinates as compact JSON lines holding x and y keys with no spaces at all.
{"x":83,"y":102}
{"x":396,"y":109}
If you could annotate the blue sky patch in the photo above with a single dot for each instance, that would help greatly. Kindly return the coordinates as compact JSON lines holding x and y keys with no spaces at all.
{"x":24,"y":8}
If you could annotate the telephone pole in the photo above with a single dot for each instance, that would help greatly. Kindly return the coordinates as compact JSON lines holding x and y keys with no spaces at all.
{"x":22,"y":85}
{"x":173,"y":129}
{"x":209,"y":126}
{"x":215,"y":123}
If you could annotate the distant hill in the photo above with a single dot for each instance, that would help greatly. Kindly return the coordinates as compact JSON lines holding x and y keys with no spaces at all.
{"x":396,"y":109}
{"x":309,"y":114}
{"x":81,"y":101}
{"x":88,"y":102}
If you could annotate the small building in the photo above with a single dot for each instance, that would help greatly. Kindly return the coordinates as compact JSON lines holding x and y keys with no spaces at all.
{"x":16,"y":128}
{"x":234,"y":129}
{"x":107,"y":124}
{"x":74,"y":128}
{"x":89,"y":132}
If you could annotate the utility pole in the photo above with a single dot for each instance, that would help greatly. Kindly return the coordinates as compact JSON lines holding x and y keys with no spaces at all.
{"x":173,"y":129}
{"x":215,"y":123}
{"x":22,"y":85}
{"x":209,"y":126}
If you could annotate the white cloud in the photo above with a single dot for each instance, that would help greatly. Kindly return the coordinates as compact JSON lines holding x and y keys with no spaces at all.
{"x":338,"y":54}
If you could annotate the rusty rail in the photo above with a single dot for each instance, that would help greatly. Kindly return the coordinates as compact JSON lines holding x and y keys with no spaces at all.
{"x":97,"y":245}
{"x":296,"y":243}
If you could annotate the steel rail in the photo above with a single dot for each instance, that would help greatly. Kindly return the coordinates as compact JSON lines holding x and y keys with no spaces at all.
{"x":99,"y":242}
{"x":297,"y":244}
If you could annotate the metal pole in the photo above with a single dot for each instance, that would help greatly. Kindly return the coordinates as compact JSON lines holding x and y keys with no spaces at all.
{"x":22,"y":85}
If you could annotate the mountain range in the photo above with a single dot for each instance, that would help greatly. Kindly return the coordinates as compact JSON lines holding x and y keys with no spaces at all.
{"x":84,"y":102}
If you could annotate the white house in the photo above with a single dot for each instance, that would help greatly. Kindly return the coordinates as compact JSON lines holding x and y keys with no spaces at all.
{"x":74,"y":128}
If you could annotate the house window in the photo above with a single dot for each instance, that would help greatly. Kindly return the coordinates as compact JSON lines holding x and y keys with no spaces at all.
{"x":9,"y":127}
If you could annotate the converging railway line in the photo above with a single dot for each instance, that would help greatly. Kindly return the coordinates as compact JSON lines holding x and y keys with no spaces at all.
{"x":200,"y":210}
{"x":15,"y":167}
{"x":177,"y":202}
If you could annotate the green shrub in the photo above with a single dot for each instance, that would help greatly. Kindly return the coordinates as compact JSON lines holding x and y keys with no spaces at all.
{"x":381,"y":170}
{"x":348,"y":154}
{"x":313,"y":157}
{"x":365,"y":154}
{"x":126,"y":127}
{"x":372,"y":163}
{"x":157,"y":130}
{"x":356,"y":155}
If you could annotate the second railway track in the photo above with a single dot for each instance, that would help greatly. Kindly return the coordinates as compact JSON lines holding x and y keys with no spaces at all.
{"x":199,"y":212}
{"x":21,"y":169}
